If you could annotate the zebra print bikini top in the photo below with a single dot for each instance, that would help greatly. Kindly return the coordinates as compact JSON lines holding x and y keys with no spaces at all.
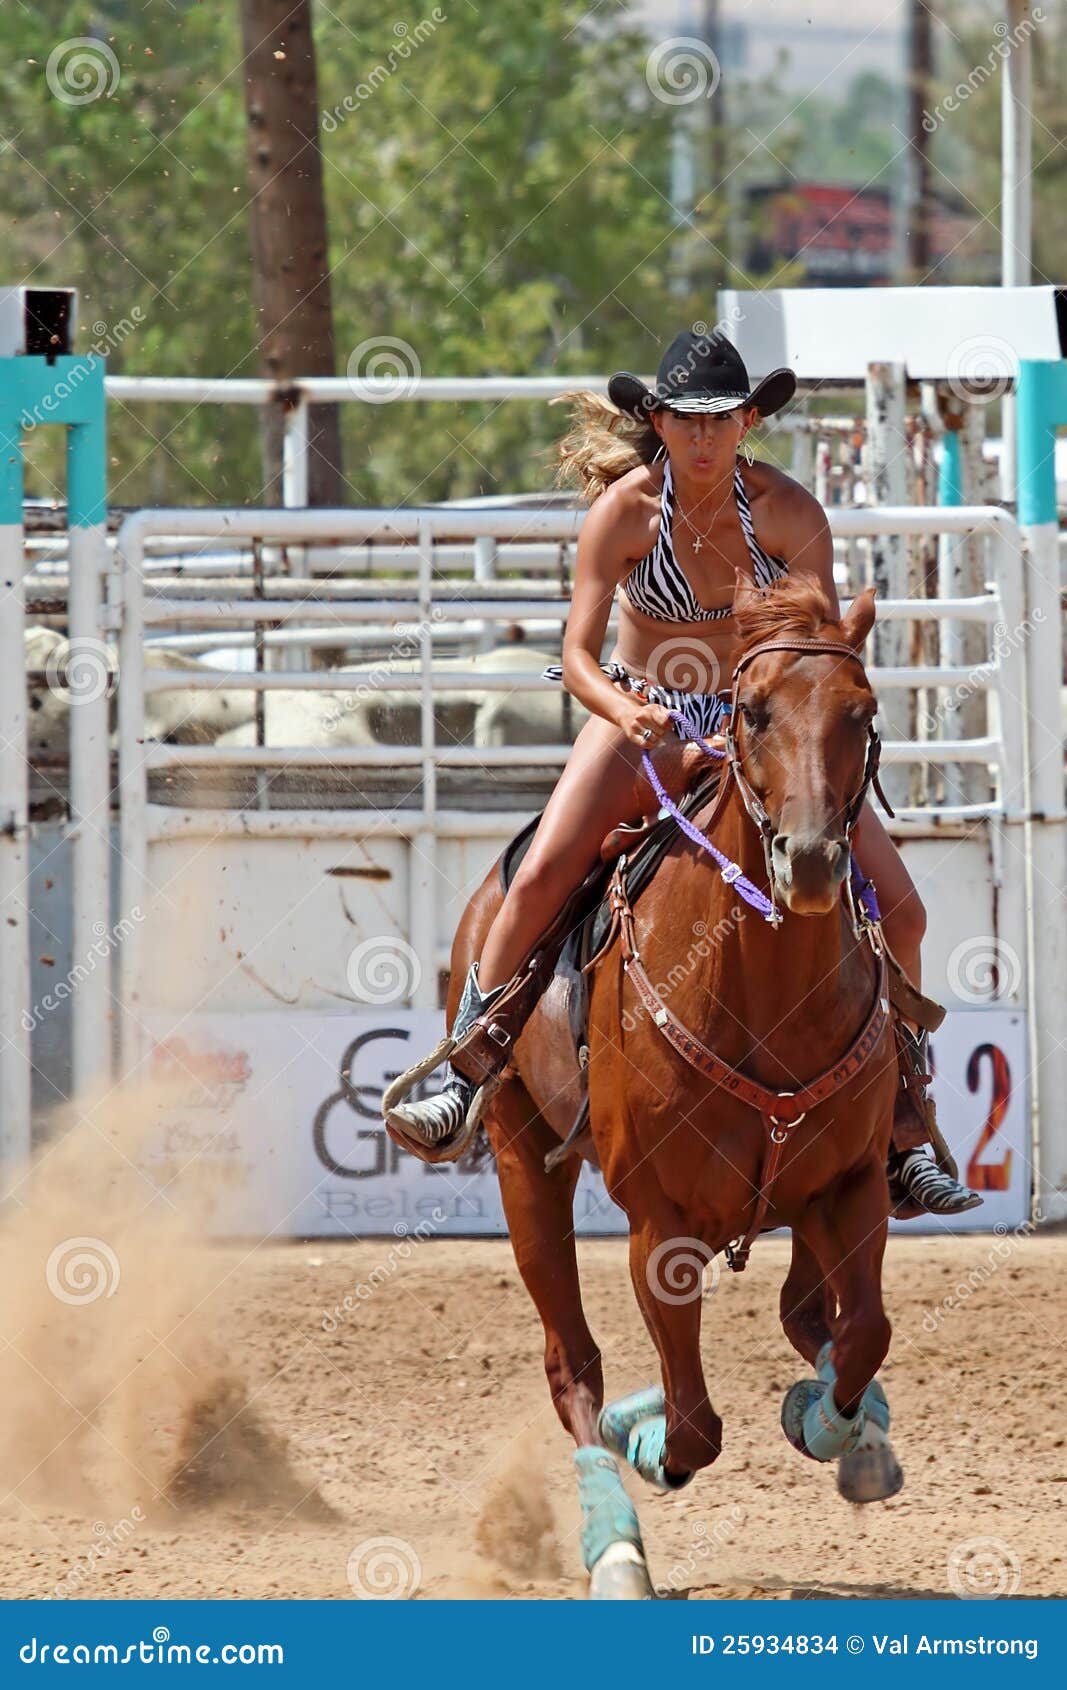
{"x":657,"y":585}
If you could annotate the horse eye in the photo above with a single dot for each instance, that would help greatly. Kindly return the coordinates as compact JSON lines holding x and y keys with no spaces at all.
{"x":755,"y":716}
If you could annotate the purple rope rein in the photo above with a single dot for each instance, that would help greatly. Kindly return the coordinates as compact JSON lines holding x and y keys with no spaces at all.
{"x":731,"y":871}
{"x":863,"y":890}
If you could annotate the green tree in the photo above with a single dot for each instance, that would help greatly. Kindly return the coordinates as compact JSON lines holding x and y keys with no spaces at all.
{"x":497,"y":181}
{"x":966,"y":142}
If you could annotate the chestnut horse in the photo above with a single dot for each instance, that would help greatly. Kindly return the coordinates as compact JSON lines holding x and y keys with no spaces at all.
{"x":698,"y":1047}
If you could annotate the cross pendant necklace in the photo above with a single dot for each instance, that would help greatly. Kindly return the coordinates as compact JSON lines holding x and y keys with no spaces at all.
{"x":698,"y":539}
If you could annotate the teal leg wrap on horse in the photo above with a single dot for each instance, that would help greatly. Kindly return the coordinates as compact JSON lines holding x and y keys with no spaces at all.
{"x":829,"y":1433}
{"x":646,"y":1451}
{"x":617,"y":1419}
{"x":608,"y":1515}
{"x":874,"y":1399}
{"x":635,"y":1428}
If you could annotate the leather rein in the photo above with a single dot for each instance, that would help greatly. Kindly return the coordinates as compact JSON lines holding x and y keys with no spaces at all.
{"x":780,"y":1111}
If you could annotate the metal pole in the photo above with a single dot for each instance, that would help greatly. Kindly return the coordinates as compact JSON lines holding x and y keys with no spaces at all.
{"x":422,"y":857}
{"x":295,"y":456}
{"x":886,"y":474}
{"x":1042,"y":393}
{"x":803,"y":467}
{"x":961,"y":574}
{"x":484,"y":571}
{"x":89,"y":684}
{"x":15,"y":1000}
{"x":133,"y":786}
{"x":1016,"y":149}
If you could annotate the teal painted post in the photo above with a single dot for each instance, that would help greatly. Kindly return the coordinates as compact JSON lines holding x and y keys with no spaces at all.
{"x":80,"y":385}
{"x":1042,"y":406}
{"x":950,"y":479}
{"x":16,"y":1018}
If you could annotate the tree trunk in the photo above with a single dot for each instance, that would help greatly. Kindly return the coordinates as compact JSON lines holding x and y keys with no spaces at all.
{"x":294,"y":315}
{"x":920,"y":80}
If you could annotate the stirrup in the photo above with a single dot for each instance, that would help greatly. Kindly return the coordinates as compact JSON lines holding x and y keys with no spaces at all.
{"x":449,"y":1149}
{"x":409,"y":1079}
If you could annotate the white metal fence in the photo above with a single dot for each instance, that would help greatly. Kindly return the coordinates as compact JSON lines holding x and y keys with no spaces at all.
{"x":1002,"y":750}
{"x":219,"y":609}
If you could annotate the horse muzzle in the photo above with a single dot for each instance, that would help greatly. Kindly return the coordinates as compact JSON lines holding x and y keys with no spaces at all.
{"x":808,"y":873}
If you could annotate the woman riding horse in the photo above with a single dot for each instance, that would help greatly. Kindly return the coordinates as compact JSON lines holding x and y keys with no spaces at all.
{"x":677,"y":518}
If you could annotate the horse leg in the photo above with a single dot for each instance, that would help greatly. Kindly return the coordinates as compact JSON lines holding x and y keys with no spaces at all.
{"x":540,"y":1213}
{"x":804,"y":1306}
{"x":845,"y":1413}
{"x":668,"y":1447}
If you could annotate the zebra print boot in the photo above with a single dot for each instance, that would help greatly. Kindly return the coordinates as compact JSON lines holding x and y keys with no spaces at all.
{"x":917,"y":1183}
{"x":915,"y":1175}
{"x":431,"y":1123}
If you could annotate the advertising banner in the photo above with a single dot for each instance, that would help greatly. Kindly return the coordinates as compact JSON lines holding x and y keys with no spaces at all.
{"x":282,"y":1113}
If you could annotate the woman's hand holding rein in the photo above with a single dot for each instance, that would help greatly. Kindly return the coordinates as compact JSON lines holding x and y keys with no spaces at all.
{"x":643,"y":724}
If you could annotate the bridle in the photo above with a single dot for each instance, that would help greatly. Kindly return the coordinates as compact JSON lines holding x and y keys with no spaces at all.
{"x":736,"y":769}
{"x":735,"y":773}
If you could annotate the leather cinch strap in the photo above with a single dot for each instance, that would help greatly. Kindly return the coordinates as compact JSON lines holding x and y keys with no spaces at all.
{"x":780,"y":1111}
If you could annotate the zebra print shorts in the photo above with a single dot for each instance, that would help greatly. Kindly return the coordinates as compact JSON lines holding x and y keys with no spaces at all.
{"x":703,"y":711}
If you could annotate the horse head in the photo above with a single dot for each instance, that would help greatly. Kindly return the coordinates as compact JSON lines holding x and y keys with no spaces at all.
{"x":801,"y":732}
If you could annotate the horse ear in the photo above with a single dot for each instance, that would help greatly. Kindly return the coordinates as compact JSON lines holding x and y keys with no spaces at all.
{"x":859,"y":621}
{"x":746,"y":593}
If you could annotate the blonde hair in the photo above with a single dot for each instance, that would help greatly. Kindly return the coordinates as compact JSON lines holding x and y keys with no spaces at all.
{"x":602,"y":444}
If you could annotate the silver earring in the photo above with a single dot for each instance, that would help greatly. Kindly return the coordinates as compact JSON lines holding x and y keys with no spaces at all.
{"x":747,"y":452}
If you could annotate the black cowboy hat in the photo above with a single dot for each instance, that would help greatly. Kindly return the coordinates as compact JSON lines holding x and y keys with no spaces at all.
{"x":700,"y":372}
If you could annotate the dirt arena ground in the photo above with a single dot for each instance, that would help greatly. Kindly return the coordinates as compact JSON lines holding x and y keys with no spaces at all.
{"x":265,"y":1455}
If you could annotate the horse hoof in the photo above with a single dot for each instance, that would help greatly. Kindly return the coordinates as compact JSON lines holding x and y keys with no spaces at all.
{"x":871,"y":1472}
{"x":620,"y":1575}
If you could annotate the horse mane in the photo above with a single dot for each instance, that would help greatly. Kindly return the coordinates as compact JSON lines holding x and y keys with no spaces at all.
{"x":796,"y":605}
